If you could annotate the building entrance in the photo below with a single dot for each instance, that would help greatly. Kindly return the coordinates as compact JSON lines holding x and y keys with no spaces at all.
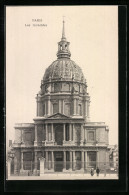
{"x":78,"y":160}
{"x":58,"y":161}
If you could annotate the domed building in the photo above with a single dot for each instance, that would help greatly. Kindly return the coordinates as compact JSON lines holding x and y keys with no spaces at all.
{"x":62,"y":132}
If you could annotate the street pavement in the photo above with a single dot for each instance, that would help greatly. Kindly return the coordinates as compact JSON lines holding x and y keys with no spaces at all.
{"x":66,"y":177}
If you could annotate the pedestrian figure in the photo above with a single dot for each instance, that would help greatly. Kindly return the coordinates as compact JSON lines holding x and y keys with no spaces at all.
{"x":97,"y":171}
{"x":92,"y":171}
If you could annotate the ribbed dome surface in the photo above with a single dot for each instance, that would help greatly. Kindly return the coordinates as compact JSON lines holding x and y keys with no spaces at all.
{"x":64,"y":68}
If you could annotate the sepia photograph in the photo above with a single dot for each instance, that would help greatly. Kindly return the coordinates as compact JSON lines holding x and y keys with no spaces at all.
{"x":62,"y":93}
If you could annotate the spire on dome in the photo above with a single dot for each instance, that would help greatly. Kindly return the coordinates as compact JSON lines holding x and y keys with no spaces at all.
{"x":63,"y":31}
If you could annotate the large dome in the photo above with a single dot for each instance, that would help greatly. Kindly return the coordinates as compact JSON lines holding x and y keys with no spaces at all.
{"x":64,"y":68}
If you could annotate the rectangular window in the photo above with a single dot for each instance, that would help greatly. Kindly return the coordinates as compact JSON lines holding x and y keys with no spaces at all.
{"x":91,"y":136}
{"x":55,"y":108}
{"x":67,"y":109}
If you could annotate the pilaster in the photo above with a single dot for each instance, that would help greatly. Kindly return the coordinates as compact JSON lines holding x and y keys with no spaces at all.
{"x":35,"y":142}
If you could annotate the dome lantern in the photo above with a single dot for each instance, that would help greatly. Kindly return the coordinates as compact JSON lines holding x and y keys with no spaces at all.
{"x":63,"y":46}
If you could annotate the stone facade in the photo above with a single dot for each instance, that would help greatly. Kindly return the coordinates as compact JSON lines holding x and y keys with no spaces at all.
{"x":62,"y":132}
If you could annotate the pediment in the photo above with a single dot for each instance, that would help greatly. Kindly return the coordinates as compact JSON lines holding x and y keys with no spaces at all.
{"x":59,"y":115}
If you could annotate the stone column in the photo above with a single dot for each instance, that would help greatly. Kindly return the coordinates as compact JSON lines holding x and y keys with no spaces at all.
{"x":35,"y":142}
{"x":52,"y":159}
{"x":84,"y":108}
{"x":63,"y":106}
{"x":82,"y":159}
{"x":64,"y":168}
{"x":86,"y":160}
{"x":59,"y":106}
{"x":97,"y":158}
{"x":45,"y":111}
{"x":69,"y":132}
{"x":35,"y":161}
{"x":86,"y":135}
{"x":47,"y":160}
{"x":70,"y":160}
{"x":77,"y":111}
{"x":74,"y":106}
{"x":38,"y":108}
{"x":52,"y":132}
{"x":74,"y":160}
{"x":49,"y":106}
{"x":21,"y":160}
{"x":74,"y":133}
{"x":15,"y":165}
{"x":9,"y":167}
{"x":82,"y":134}
{"x":46,"y":132}
{"x":64,"y":132}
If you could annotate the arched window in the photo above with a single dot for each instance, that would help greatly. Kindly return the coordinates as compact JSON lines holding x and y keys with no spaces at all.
{"x":80,"y":109}
{"x":55,"y":108}
{"x":67,"y":109}
{"x":57,"y":87}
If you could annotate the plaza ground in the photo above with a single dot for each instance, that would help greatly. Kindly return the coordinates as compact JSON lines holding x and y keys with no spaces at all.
{"x":61,"y":176}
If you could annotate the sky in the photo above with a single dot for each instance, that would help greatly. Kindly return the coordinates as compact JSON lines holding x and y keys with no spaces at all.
{"x":93,"y":35}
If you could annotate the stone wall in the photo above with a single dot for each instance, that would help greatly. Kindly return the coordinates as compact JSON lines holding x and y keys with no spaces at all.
{"x":40,"y":133}
{"x":17,"y":161}
{"x":101,"y":135}
{"x":28,"y":136}
{"x":18,"y":135}
{"x":77,"y":128}
{"x":102,"y":155}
